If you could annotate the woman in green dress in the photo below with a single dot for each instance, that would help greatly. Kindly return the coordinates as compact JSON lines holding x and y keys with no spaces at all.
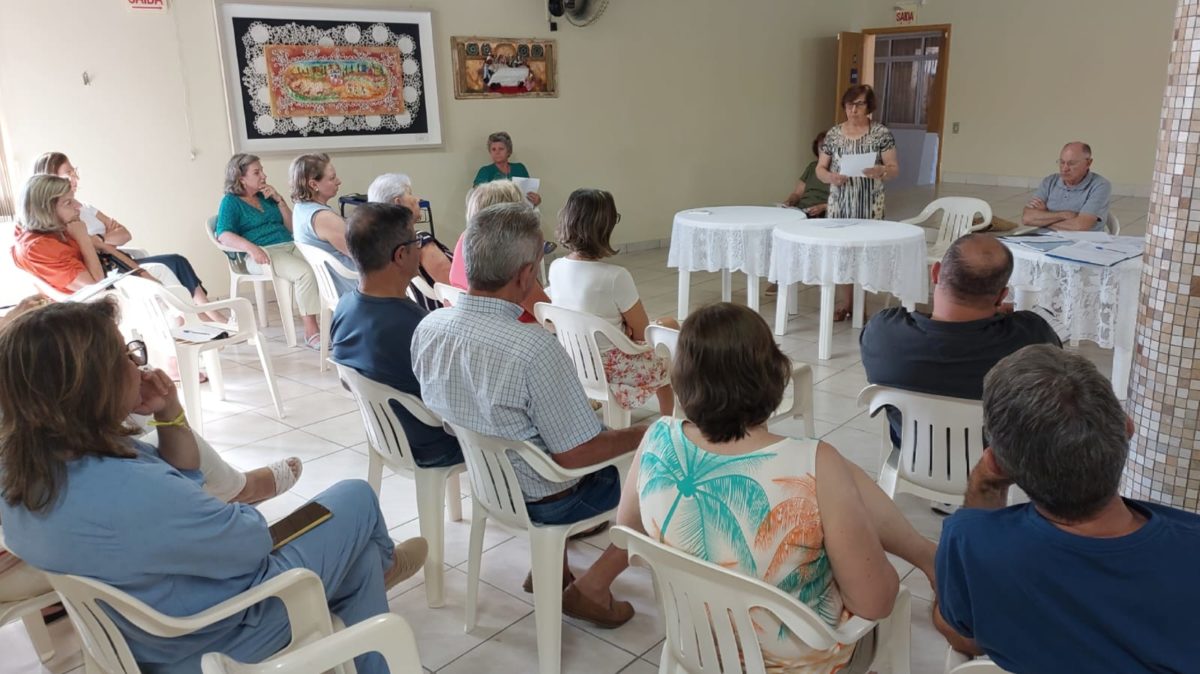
{"x":500,"y":148}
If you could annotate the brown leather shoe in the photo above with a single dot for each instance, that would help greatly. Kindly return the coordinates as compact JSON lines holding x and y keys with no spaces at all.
{"x":576,"y":605}
{"x":407,"y":559}
{"x":567,"y":579}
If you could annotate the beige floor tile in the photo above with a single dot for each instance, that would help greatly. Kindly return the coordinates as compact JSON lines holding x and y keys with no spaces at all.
{"x":515,"y":650}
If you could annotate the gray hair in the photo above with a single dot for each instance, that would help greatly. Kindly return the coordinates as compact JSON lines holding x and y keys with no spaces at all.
{"x":1083,"y":147}
{"x":1056,"y":429}
{"x":488,"y":194}
{"x":500,"y":241}
{"x":235,"y":169}
{"x":500,"y":137}
{"x":374,"y":231}
{"x":385,"y":188}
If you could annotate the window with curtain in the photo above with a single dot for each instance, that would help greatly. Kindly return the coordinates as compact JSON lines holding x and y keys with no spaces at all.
{"x":905,"y":68}
{"x":8,"y":206}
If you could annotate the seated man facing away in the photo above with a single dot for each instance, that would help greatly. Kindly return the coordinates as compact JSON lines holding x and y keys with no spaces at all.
{"x":1072,"y":199}
{"x":481,"y":368}
{"x":396,"y":188}
{"x":949,"y":351}
{"x":373,"y":325}
{"x":1080,"y":579}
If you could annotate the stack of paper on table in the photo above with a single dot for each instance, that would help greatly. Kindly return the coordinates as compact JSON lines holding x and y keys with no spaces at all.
{"x":1103,"y":253}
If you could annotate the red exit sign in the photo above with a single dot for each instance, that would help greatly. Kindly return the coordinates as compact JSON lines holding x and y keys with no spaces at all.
{"x":152,"y":5}
{"x":906,"y":16}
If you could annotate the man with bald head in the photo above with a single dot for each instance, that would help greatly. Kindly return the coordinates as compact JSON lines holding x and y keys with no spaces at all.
{"x":948,"y":351}
{"x":1075,"y":198}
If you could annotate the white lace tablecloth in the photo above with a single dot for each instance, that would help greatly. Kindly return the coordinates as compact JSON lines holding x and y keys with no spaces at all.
{"x":1083,"y":299}
{"x":727,"y":238}
{"x":879,"y":255}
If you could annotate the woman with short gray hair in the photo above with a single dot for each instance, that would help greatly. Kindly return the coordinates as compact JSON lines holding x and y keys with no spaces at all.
{"x":500,"y":147}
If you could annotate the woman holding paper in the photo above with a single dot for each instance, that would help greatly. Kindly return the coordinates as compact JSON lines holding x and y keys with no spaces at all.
{"x":500,"y":148}
{"x":857,"y":157}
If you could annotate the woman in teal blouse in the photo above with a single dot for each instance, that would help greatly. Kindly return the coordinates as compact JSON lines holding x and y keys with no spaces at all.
{"x":255,"y":219}
{"x":500,"y":148}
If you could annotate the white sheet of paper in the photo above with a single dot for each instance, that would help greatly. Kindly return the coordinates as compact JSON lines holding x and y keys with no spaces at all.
{"x":527,"y":185}
{"x":853,"y":165}
{"x":1097,"y":237}
{"x":1091,"y":253}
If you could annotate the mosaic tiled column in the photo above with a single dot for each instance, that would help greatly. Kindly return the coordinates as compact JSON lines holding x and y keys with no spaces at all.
{"x":1164,"y":462}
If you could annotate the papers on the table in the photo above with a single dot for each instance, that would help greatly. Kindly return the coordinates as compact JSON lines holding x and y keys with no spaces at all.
{"x":527,"y":185}
{"x":853,"y":165}
{"x":1044,"y":241}
{"x":1104,"y":253}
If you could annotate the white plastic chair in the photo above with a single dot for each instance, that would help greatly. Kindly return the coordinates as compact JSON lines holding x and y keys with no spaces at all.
{"x":577,"y":331}
{"x":446,"y":293}
{"x":664,"y":341}
{"x":1112,"y":225}
{"x":424,"y":288}
{"x":958,"y":219}
{"x":940,"y":442}
{"x":709,"y":626}
{"x":105,"y":650}
{"x":387,"y":634}
{"x":149,"y":303}
{"x":389,"y":445}
{"x":321,"y":262}
{"x":239,"y":272}
{"x":496,"y":494}
{"x":959,"y":663}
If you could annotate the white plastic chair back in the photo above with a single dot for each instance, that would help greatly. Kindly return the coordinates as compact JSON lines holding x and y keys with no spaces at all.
{"x":384,"y":432}
{"x":576,"y":332}
{"x":941,"y":441}
{"x":663,"y":340}
{"x":494,"y":482}
{"x":958,"y":218}
{"x":29,"y":611}
{"x":151,"y":316}
{"x":387,"y":634}
{"x":959,"y":663}
{"x":322,"y":262}
{"x":446,"y":293}
{"x":1112,"y":225}
{"x":237,"y":263}
{"x":707,"y":609}
{"x":424,"y":288}
{"x":105,"y":647}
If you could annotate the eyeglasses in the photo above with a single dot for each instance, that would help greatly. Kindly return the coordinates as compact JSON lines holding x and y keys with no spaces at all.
{"x":856,"y":104}
{"x":402,"y":245}
{"x":1070,"y":164}
{"x":136,"y":350}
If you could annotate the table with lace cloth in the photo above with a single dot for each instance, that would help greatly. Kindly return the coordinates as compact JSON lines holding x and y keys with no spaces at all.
{"x":875,"y":255}
{"x":725,"y":239}
{"x":1082,"y":301}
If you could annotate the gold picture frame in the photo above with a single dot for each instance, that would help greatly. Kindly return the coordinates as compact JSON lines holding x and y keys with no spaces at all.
{"x":499,"y":67}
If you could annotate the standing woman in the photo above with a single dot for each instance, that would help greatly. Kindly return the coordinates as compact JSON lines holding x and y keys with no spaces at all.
{"x":856,"y":197}
{"x":254,"y":219}
{"x":500,"y":147}
{"x":314,"y":183}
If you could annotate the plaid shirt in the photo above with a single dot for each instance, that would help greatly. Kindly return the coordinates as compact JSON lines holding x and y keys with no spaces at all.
{"x":482,"y":369}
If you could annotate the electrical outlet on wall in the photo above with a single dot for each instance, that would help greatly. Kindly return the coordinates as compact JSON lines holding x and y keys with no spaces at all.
{"x":954,"y":128}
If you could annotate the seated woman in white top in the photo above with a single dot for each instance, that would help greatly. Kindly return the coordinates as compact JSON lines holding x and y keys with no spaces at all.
{"x":314,"y":182}
{"x":790,"y":512}
{"x":582,"y":281}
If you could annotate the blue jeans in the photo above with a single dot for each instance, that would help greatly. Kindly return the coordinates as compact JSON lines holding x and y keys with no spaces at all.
{"x":180,"y":267}
{"x":594,"y":495}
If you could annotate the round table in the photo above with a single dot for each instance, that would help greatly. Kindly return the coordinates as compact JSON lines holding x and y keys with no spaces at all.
{"x":1085,"y":301}
{"x":875,"y":255}
{"x":725,"y":239}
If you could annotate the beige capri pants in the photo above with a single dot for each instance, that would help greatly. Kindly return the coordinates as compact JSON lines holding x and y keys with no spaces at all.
{"x":288,"y":263}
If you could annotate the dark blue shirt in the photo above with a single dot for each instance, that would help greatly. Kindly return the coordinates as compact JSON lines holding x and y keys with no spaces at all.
{"x":373,"y":335}
{"x":1039,"y":600}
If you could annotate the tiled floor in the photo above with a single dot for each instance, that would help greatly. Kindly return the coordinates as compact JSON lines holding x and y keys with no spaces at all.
{"x":322,"y":427}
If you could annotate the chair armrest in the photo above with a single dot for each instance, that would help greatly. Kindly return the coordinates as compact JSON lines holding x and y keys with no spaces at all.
{"x":240,"y":306}
{"x":300,"y":590}
{"x":921,"y":217}
{"x":618,"y":338}
{"x":854,"y":629}
{"x":544,"y":465}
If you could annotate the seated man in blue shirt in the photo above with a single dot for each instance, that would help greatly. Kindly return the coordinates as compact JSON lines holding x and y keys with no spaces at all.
{"x":1075,"y":198}
{"x":1080,"y":579}
{"x":373,"y":325}
{"x":482,"y":369}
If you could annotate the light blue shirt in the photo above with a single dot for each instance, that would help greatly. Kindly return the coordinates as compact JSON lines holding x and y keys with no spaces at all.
{"x":1090,"y":196}
{"x":302,"y":229}
{"x":148,"y":529}
{"x":482,"y":369}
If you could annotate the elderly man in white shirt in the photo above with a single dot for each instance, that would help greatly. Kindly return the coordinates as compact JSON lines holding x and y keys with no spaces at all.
{"x":479,"y":367}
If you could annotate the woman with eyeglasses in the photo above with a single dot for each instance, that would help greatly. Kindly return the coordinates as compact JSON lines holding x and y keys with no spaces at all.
{"x":856,"y":197}
{"x":81,"y":496}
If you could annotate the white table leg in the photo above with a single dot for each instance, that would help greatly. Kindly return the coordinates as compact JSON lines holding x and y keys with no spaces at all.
{"x":825,"y":340}
{"x":685,"y":288}
{"x":856,"y":320}
{"x":781,"y":308}
{"x":752,"y":291}
{"x":726,"y":285}
{"x":793,"y":299}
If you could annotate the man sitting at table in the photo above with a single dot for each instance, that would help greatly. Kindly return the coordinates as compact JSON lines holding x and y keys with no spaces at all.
{"x":1075,"y":198}
{"x":948,"y":351}
{"x":1079,"y":579}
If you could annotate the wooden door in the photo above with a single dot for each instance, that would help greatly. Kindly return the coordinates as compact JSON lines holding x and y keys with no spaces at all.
{"x":851,"y":68}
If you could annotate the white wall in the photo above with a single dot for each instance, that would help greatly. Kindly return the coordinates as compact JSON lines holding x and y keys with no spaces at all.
{"x":670,"y":104}
{"x":1027,"y":76}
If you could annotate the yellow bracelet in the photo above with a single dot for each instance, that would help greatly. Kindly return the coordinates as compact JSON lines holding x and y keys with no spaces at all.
{"x":180,"y":420}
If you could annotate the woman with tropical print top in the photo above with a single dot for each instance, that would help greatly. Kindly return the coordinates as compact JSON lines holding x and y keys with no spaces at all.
{"x":791,"y":512}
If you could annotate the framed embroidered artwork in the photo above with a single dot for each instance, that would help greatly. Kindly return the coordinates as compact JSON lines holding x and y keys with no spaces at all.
{"x":504,"y":67}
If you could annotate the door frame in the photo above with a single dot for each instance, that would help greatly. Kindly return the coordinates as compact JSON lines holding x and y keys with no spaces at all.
{"x":936,"y":116}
